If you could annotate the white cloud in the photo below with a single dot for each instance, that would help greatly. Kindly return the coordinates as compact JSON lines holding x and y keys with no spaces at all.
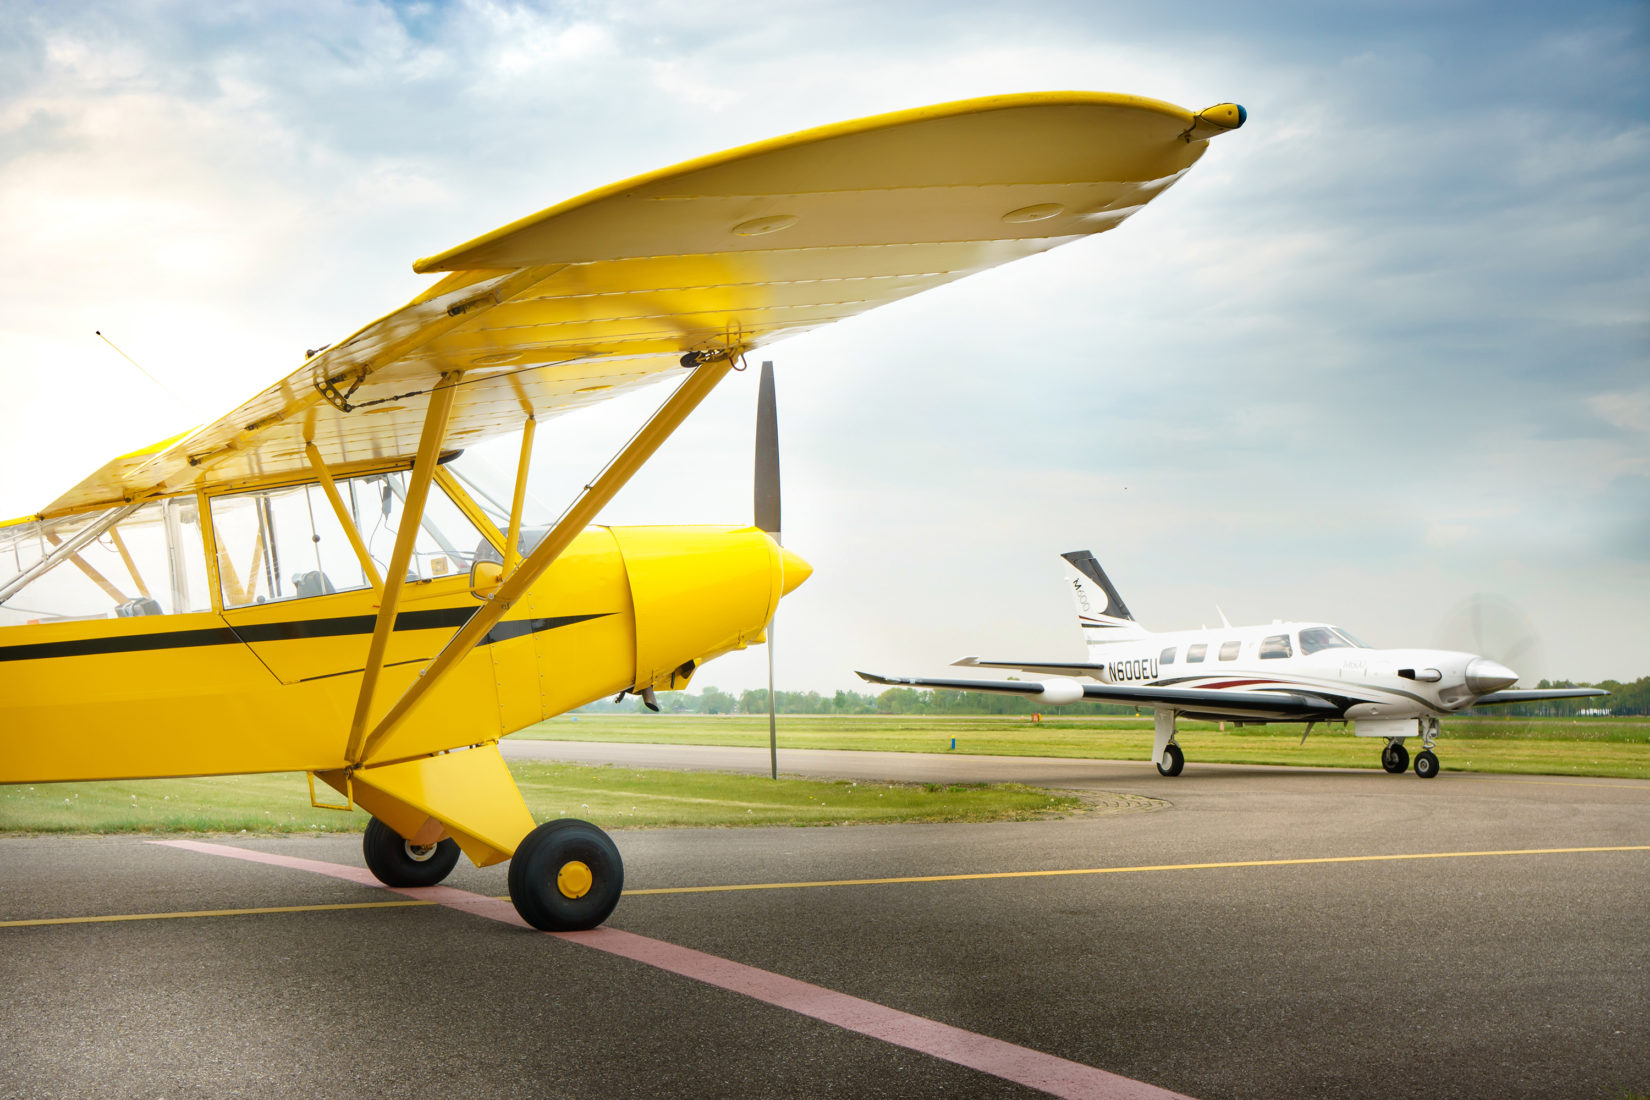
{"x":1382,"y":348}
{"x":1629,"y":411}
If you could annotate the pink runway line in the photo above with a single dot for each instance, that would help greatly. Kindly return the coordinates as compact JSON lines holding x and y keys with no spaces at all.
{"x":1022,"y":1065}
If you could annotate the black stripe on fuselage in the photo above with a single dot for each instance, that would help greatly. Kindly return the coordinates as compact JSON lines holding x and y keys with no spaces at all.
{"x":449,"y":617}
{"x":435,"y":619}
{"x":128,"y":643}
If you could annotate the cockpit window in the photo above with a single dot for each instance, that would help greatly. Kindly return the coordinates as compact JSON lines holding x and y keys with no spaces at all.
{"x":1275,"y":646}
{"x":287,"y":543}
{"x":1351,"y":639}
{"x":142,"y":560}
{"x":1314,"y":638}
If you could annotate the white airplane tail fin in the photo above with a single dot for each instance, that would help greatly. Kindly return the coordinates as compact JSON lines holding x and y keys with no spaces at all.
{"x":1100,"y":610}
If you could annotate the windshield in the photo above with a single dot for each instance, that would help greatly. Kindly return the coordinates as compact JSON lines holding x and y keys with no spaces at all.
{"x":1314,"y":638}
{"x":138,"y":560}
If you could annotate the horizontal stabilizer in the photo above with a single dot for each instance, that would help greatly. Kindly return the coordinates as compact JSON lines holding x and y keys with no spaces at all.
{"x":1275,"y":705}
{"x":1535,"y":695}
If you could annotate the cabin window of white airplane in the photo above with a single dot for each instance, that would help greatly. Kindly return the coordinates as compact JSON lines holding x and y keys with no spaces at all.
{"x":1194,"y":653}
{"x":1314,"y":638}
{"x":287,"y":543}
{"x":1229,"y":650}
{"x":1276,"y":646}
{"x":122,"y":563}
{"x":1166,"y":657}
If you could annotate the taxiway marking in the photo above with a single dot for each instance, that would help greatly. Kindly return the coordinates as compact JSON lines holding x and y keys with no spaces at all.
{"x":365,"y":878}
{"x":115,"y":917}
{"x":1132,"y":870}
{"x":1022,"y":1065}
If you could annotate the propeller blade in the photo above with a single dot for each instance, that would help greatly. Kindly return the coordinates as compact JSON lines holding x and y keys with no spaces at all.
{"x":773,"y":720}
{"x":767,"y":518}
{"x":1494,"y":627}
{"x":767,"y":454}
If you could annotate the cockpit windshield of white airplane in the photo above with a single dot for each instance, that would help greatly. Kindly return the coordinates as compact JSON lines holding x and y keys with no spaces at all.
{"x":1314,"y":638}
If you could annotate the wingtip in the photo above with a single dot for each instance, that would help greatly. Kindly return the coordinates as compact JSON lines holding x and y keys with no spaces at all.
{"x":1220,"y":119}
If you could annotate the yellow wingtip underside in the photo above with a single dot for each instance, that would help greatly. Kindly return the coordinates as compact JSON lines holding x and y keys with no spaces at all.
{"x":443,"y":261}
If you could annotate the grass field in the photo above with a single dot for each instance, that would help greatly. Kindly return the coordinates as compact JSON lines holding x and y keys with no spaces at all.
{"x":1610,"y":747}
{"x":610,"y":797}
{"x":637,"y":798}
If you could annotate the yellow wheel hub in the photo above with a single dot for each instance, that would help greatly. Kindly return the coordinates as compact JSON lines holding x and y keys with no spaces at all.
{"x":574,"y":879}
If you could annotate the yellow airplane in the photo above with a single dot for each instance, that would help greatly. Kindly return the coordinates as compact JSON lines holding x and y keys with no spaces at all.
{"x":304,"y":585}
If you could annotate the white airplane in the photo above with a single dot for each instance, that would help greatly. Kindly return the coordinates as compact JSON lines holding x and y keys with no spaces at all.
{"x":1285,"y":672}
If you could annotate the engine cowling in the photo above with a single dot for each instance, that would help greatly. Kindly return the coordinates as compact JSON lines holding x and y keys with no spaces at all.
{"x":698,"y":592}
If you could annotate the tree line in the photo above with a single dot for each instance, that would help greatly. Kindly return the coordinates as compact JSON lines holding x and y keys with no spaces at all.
{"x":894,"y":701}
{"x":1628,"y":698}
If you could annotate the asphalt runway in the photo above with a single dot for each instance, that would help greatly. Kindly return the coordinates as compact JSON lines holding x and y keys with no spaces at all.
{"x":1233,"y":932}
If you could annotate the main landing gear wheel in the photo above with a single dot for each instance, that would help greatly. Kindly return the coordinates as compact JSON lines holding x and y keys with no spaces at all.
{"x":1426,"y":764}
{"x":1395,"y":759}
{"x":1171,"y":761}
{"x":395,"y":861}
{"x":566,"y":876}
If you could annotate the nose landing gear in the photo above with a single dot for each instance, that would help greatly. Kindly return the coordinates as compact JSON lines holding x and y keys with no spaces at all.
{"x":1426,"y":764}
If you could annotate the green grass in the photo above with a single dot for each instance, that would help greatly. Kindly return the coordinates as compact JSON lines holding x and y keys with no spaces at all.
{"x":1607,"y":747}
{"x":636,"y":798}
{"x":609,"y":796}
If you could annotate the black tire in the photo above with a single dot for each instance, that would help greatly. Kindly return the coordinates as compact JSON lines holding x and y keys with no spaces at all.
{"x":1426,"y":764}
{"x":1395,"y":759}
{"x":546,"y":885}
{"x":395,"y":862}
{"x":1175,"y":760}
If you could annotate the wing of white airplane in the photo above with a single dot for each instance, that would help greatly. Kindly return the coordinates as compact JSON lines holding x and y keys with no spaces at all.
{"x":1297,"y":706}
{"x":1534,"y":695}
{"x":1061,"y":668}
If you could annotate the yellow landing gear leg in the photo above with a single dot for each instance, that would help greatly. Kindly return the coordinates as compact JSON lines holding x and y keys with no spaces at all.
{"x":564,"y":875}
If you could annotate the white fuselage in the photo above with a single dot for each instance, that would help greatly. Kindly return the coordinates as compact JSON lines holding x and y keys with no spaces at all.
{"x":1306,"y":658}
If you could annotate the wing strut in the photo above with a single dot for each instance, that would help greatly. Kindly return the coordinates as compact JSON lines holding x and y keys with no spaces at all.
{"x":710,"y":368}
{"x":412,"y":515}
{"x":351,"y":532}
{"x":512,"y":540}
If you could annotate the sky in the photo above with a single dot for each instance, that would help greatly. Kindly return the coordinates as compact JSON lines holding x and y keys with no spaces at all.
{"x":1382,"y":355}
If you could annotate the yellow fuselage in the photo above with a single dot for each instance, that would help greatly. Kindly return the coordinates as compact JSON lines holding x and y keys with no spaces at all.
{"x":272,"y":687}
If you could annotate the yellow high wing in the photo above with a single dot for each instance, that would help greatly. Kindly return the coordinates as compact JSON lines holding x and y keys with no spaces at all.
{"x":610,"y":290}
{"x":681,"y":270}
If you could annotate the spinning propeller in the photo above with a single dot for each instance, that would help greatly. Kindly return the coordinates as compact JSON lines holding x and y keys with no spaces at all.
{"x":1494,"y":628}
